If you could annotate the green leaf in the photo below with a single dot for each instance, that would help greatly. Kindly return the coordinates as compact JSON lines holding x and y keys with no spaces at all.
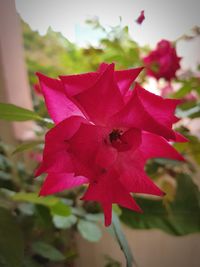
{"x":35,"y":199}
{"x":181,"y":218}
{"x":61,"y":209}
{"x":55,"y":204}
{"x":27,"y":146}
{"x":47,"y":251}
{"x":89,"y":230}
{"x":11,"y":241}
{"x":11,"y":112}
{"x":116,"y":229}
{"x":62,"y":222}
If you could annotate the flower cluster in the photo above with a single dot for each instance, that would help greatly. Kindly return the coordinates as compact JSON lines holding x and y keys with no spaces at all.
{"x":163,"y":62}
{"x":104,"y":134}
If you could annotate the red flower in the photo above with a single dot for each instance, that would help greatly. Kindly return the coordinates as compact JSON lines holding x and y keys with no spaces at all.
{"x":141,"y":17}
{"x":163,"y":62}
{"x":104,"y":135}
{"x":37,"y":89}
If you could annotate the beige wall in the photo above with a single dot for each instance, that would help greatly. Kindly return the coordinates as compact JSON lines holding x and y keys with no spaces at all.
{"x":152,"y":248}
{"x":14,"y":87}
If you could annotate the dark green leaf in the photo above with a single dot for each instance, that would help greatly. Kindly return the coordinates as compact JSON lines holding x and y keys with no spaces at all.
{"x":11,"y":241}
{"x":47,"y":251}
{"x":181,"y":218}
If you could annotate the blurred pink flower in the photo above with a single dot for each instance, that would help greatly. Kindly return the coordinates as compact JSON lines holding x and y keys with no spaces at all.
{"x":162,"y":62}
{"x":141,"y":17}
{"x":104,"y":135}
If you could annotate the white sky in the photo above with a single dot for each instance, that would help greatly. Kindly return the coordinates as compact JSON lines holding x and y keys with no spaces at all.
{"x":164,"y":19}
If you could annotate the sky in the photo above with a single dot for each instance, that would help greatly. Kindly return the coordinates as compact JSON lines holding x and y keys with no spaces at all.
{"x":164,"y":19}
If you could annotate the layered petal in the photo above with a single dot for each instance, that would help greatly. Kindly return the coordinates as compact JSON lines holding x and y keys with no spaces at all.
{"x":56,"y":157}
{"x":59,"y":106}
{"x":154,"y":146}
{"x":103,"y":99}
{"x":57,"y":182}
{"x":138,"y":114}
{"x":109,"y":190}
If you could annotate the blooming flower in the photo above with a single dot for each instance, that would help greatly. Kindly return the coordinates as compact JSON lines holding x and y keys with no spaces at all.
{"x":141,"y":17}
{"x":162,"y":62}
{"x":104,"y":134}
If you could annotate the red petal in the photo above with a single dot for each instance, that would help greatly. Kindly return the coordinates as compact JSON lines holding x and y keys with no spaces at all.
{"x":125,"y":78}
{"x":55,"y":155}
{"x":154,"y":146}
{"x":135,"y":114}
{"x":75,"y":84}
{"x":59,"y":106}
{"x":57,"y":182}
{"x":103,"y":99}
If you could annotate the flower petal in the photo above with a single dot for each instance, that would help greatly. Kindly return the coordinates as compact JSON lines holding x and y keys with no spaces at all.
{"x":57,"y":182}
{"x":103,"y":99}
{"x":55,"y":155}
{"x":75,"y":84}
{"x":135,"y":114}
{"x":58,"y":104}
{"x":154,"y":146}
{"x":108,"y":190}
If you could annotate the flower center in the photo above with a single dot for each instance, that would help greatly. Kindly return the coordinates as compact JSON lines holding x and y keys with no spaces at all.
{"x":115,"y":135}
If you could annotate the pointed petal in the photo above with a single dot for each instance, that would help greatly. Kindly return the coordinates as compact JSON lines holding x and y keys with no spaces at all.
{"x":125,"y":78}
{"x":59,"y":106}
{"x":108,"y":190}
{"x":154,"y":146}
{"x":180,"y":138}
{"x":162,"y":110}
{"x":57,"y":182}
{"x":55,"y":155}
{"x":135,"y":114}
{"x":75,"y":84}
{"x":107,"y":209}
{"x":103,"y":99}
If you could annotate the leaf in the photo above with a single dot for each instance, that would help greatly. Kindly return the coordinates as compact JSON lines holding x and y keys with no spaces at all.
{"x":11,"y":112}
{"x":55,"y":204}
{"x":60,"y":209}
{"x":89,"y":230}
{"x":27,"y":146}
{"x":47,"y":251}
{"x":11,"y":241}
{"x":62,"y":222}
{"x":181,"y":218}
{"x":116,"y":229}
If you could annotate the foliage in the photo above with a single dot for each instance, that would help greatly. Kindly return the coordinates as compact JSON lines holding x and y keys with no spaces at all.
{"x":48,"y":224}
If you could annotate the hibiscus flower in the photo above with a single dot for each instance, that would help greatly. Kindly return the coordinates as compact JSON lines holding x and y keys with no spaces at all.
{"x":104,"y":134}
{"x":162,"y":62}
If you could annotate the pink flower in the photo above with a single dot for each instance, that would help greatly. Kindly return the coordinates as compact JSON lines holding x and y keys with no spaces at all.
{"x":141,"y":17}
{"x":104,"y":135}
{"x":163,"y":62}
{"x":168,"y":90}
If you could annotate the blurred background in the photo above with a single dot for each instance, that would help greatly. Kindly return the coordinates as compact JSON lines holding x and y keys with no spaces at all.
{"x":67,"y":37}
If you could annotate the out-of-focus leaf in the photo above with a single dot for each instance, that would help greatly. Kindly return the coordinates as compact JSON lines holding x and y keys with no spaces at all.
{"x":89,"y":230}
{"x":62,"y":222}
{"x":11,"y":241}
{"x":27,"y":146}
{"x":47,"y":251}
{"x":60,"y":209}
{"x":11,"y":112}
{"x":182,"y":216}
{"x":55,"y":204}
